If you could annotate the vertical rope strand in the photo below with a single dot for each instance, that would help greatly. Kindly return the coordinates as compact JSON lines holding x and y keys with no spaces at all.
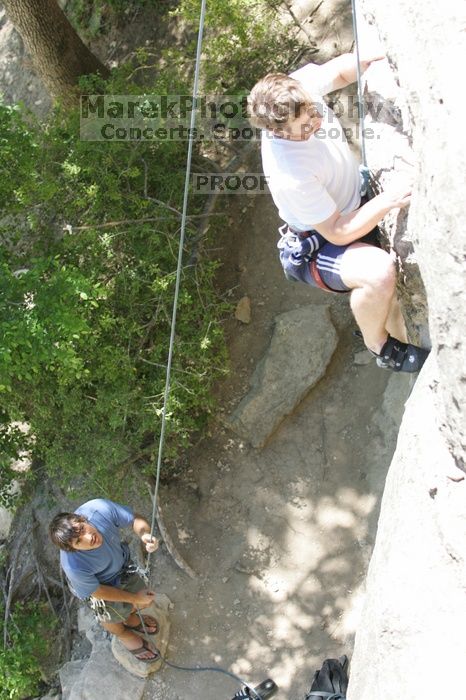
{"x":361,"y":110}
{"x":178,"y":270}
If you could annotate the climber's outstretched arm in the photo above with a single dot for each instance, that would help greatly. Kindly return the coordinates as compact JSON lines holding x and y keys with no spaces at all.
{"x":341,"y":71}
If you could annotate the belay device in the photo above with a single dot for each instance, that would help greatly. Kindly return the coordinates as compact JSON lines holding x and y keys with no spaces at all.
{"x":263,"y":691}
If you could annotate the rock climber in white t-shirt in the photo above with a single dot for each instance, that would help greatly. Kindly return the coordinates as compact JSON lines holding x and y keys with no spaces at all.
{"x":329,"y":239}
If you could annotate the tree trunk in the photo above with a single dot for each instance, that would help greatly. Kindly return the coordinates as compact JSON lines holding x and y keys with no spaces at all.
{"x":58,"y":54}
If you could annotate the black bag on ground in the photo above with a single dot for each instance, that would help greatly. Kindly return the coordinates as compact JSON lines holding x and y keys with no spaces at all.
{"x":331,"y":681}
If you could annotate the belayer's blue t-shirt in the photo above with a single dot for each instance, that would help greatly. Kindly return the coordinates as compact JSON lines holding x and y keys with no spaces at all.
{"x":87,"y":570}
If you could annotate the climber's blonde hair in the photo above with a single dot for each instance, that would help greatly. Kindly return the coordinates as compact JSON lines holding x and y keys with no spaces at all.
{"x":277,"y":100}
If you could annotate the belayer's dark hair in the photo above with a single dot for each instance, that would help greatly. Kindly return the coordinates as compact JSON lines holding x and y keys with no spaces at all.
{"x":64,"y":528}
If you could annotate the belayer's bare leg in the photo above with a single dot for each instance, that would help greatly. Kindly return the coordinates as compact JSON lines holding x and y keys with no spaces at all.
{"x":129,"y":639}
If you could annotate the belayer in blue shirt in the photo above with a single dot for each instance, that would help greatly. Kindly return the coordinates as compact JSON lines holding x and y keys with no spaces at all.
{"x":98,"y":568}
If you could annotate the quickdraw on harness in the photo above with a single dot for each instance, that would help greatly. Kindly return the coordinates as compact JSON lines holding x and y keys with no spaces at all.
{"x":138,"y":570}
{"x":299,"y":249}
{"x":298,"y":255}
{"x":99,"y":608}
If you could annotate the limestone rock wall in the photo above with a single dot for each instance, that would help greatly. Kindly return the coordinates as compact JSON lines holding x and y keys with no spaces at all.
{"x":426,"y":45}
{"x":411,"y":637}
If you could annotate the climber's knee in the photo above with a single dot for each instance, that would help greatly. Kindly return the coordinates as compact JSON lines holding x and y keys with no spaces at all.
{"x":367,"y":266}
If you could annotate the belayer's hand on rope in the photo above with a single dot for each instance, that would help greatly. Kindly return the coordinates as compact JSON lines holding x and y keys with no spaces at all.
{"x":150,"y":542}
{"x":142,"y":599}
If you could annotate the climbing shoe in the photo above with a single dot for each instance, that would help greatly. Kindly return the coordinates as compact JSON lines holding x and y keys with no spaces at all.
{"x":401,"y":357}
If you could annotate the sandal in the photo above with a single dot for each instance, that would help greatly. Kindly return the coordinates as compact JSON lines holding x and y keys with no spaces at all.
{"x":401,"y":357}
{"x":149,"y":621}
{"x":145,"y":647}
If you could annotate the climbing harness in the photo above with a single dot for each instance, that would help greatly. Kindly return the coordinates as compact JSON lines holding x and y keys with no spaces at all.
{"x":299,"y":249}
{"x":132,"y":568}
{"x":100,"y":607}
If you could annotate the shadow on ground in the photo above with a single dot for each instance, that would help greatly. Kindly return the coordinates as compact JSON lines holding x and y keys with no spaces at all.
{"x":280,"y":537}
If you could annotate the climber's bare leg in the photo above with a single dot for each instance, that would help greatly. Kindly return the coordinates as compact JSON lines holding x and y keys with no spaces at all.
{"x":370,"y":273}
{"x":395,"y":324}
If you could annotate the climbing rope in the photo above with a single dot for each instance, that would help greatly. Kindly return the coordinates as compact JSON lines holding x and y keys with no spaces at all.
{"x":215,"y":669}
{"x":101,"y":611}
{"x":146,"y":571}
{"x":253,"y":694}
{"x":178,"y":278}
{"x":361,"y":110}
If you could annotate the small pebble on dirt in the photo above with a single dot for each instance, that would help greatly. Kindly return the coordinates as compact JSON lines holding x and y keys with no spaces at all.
{"x":243,"y":310}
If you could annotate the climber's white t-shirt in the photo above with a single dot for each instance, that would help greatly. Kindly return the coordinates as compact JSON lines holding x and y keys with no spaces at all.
{"x":310,"y":180}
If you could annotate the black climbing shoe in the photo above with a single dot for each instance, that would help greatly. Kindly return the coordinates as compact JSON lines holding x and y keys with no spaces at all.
{"x":401,"y":357}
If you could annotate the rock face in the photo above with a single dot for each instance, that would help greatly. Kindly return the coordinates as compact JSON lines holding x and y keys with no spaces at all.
{"x":17,"y":81}
{"x":411,"y":634}
{"x":301,"y":347}
{"x":159,"y":641}
{"x":410,"y":637}
{"x":101,"y":676}
{"x":392,"y":161}
{"x":427,"y":107}
{"x":105,"y":673}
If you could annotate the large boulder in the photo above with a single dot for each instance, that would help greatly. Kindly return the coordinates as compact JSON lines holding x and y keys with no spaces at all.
{"x":158,"y":641}
{"x":301,"y":347}
{"x":111,"y":671}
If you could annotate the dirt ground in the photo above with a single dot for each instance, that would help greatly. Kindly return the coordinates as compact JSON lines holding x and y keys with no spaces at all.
{"x":280,"y":537}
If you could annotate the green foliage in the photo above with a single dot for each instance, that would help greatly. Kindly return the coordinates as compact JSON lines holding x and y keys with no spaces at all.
{"x":30,"y":630}
{"x":244,"y":40}
{"x":85,"y":313}
{"x":18,"y":150}
{"x":88,"y":249}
